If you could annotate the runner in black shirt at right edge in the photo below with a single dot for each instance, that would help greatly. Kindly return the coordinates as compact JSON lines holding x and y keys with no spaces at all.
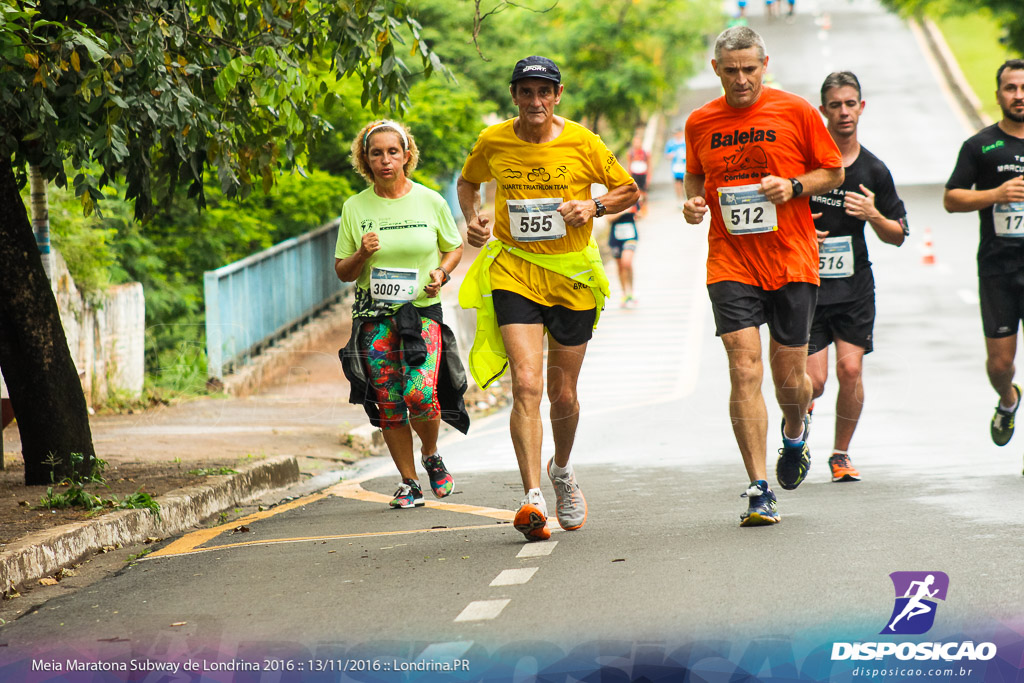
{"x":845,"y":312}
{"x":989,"y":179}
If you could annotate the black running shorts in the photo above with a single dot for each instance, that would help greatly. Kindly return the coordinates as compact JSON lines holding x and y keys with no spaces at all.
{"x":851,"y":321}
{"x":567,"y":327}
{"x":787,"y":310}
{"x":1002,"y":303}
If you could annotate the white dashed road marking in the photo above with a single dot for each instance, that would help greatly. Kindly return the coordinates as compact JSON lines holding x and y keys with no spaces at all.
{"x":482,"y":610}
{"x":537,"y":549}
{"x":514,"y":577}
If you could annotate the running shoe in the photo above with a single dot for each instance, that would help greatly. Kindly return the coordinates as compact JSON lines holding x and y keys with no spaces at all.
{"x":440,"y":481}
{"x":842,"y":468}
{"x":532,"y":518}
{"x":794,"y":461}
{"x":763,"y":508}
{"x":408,"y":495}
{"x":570,"y":505}
{"x":1002,"y":422}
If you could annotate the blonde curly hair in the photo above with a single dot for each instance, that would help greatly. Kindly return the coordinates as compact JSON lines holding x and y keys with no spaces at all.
{"x":361,"y":163}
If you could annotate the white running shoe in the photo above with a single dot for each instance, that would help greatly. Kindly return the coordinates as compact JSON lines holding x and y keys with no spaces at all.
{"x":570,"y":505}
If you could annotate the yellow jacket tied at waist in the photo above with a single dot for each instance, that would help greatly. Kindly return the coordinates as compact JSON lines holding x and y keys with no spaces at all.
{"x":487,"y":359}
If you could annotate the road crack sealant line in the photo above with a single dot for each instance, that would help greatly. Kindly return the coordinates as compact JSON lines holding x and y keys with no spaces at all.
{"x":352,"y":489}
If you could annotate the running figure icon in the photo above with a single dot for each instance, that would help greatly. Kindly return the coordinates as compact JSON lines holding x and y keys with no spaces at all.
{"x":915,"y":606}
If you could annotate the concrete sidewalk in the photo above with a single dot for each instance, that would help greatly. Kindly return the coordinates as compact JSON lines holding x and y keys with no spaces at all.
{"x":297,"y":426}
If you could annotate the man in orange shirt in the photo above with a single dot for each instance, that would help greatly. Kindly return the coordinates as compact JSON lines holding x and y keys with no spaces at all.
{"x":755,"y":156}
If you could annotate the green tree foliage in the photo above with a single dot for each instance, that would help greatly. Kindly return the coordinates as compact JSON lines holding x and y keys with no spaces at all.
{"x":153,"y":94}
{"x":1007,"y":14}
{"x":620,"y":59}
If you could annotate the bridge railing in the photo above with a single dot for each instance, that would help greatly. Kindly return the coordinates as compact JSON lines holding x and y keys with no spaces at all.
{"x":253,"y":302}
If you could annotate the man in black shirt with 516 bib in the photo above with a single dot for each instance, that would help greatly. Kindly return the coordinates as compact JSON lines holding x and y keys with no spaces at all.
{"x":989,"y":179}
{"x":845,"y":312}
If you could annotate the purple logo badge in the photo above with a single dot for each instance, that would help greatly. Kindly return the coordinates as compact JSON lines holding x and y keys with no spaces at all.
{"x":916,"y":593}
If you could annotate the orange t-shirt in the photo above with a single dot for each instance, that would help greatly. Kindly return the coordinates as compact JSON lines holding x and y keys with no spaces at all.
{"x":781,"y":135}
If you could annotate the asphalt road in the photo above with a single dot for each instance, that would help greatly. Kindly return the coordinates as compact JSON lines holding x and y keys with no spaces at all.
{"x":661,"y":578}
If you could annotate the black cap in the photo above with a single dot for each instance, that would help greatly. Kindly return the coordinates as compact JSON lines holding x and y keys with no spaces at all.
{"x":536,"y":67}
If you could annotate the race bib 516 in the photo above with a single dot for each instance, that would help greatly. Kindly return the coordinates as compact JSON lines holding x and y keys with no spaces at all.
{"x":835,"y":257}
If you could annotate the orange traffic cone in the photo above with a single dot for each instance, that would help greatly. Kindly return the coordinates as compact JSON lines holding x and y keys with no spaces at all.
{"x":929,"y":254}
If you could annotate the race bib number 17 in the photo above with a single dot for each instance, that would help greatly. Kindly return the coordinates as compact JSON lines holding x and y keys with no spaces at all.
{"x":1009,"y":219}
{"x":746,"y":211}
{"x":533,"y":220}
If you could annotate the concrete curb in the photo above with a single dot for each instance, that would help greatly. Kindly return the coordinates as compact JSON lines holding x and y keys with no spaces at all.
{"x":43,"y":553}
{"x":964,"y":94}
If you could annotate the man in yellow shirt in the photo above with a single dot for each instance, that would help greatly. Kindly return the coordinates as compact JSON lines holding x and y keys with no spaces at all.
{"x":544,"y":166}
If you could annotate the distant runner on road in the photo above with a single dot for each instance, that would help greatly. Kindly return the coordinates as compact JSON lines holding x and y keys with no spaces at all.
{"x":639,"y":165}
{"x":675,"y":151}
{"x":754,"y":155}
{"x":622,"y":241}
{"x":989,"y":178}
{"x":845,"y":312}
{"x":541,"y":276}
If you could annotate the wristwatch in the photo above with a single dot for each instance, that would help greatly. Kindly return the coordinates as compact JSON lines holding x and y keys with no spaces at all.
{"x":798,"y":188}
{"x":601,"y":210}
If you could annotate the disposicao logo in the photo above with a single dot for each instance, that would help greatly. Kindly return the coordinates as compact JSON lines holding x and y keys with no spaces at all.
{"x":916,"y":593}
{"x":913,"y":613}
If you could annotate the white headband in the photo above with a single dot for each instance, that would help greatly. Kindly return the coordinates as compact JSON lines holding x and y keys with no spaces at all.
{"x":387,"y":124}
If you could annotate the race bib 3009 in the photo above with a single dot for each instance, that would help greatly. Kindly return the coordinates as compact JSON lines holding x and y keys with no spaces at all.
{"x":395,"y":285}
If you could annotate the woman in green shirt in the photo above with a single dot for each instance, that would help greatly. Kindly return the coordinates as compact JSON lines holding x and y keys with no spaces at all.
{"x":399,"y":243}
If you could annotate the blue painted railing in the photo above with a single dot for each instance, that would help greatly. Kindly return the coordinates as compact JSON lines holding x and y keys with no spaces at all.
{"x":255,"y":301}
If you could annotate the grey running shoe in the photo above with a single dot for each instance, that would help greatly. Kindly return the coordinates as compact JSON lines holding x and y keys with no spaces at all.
{"x":570,"y":505}
{"x":1002,"y":422}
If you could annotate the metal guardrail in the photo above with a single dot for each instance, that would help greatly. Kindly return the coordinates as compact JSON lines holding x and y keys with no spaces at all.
{"x":253,"y":302}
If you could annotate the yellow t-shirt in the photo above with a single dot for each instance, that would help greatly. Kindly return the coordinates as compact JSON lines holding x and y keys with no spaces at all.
{"x":559,"y":170}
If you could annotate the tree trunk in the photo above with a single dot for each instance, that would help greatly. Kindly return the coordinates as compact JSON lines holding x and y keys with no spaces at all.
{"x":41,"y":219}
{"x":41,"y":377}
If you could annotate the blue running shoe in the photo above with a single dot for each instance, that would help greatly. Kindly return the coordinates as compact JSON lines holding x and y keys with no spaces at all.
{"x":794,"y":461}
{"x":763,"y":509}
{"x":408,"y":495}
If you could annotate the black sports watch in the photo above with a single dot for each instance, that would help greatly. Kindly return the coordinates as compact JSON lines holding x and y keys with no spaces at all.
{"x":601,"y":210}
{"x":798,"y":187}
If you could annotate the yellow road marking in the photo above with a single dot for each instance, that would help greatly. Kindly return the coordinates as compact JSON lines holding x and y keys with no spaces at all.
{"x":353,"y":490}
{"x":301,"y":539}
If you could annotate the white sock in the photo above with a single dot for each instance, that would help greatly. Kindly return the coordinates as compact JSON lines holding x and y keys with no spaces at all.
{"x":1008,"y":409}
{"x":838,"y":452}
{"x":794,"y":442}
{"x":560,"y":472}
